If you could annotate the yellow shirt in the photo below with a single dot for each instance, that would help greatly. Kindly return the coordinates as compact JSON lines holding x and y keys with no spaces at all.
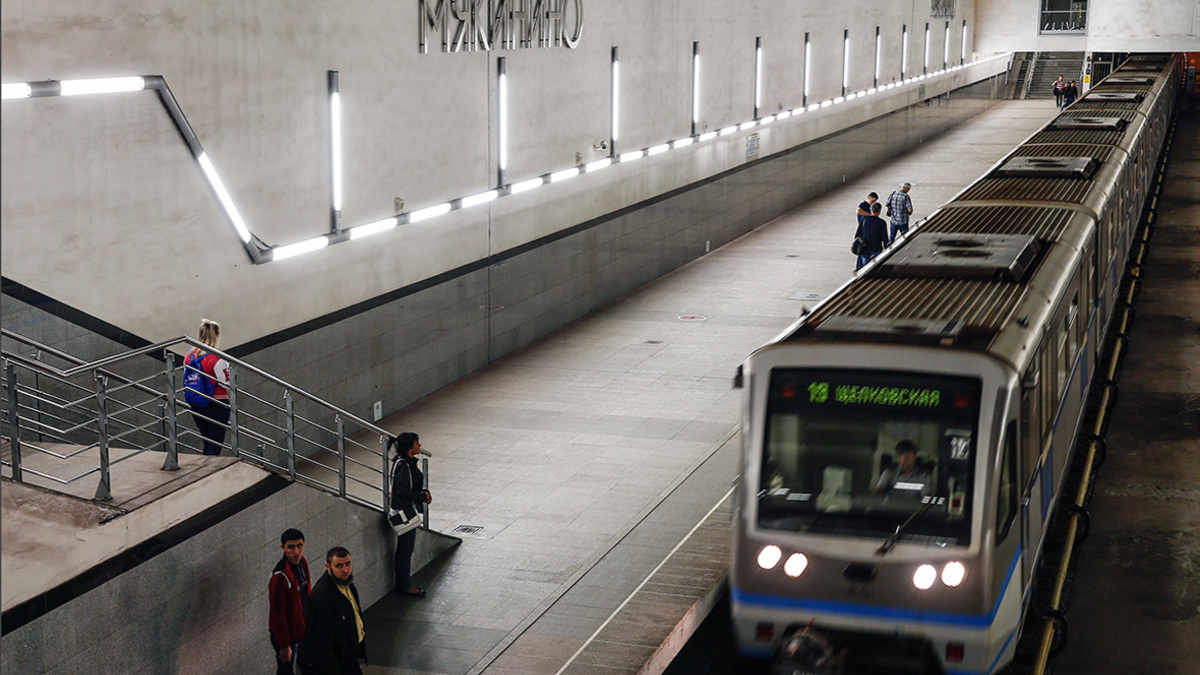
{"x":357,"y":614}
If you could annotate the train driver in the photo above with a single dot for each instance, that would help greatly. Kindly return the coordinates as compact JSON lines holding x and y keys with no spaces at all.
{"x":906,"y":478}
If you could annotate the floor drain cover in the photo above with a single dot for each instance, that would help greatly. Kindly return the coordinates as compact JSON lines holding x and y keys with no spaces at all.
{"x":469,"y":529}
{"x":693,"y":317}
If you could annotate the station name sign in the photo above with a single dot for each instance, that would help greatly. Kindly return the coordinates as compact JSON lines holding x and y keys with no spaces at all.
{"x":483,"y":25}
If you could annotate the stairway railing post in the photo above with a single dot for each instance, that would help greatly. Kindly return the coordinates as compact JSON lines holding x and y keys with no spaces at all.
{"x":172,"y":432}
{"x":104,"y":489}
{"x":233,"y":411}
{"x":341,"y":431}
{"x":14,"y":419}
{"x":290,"y":405}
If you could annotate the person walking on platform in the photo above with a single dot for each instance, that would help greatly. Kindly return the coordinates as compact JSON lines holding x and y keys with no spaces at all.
{"x":205,"y":378}
{"x":334,"y":639}
{"x":899,"y":208}
{"x":864,"y":208}
{"x":1070,"y":93}
{"x":288,"y":592}
{"x":408,"y":496}
{"x":1059,"y":85}
{"x":874,"y":234}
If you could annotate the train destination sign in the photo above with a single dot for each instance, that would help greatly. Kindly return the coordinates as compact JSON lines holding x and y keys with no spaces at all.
{"x":848,"y":394}
{"x":845,"y":389}
{"x":474,"y":25}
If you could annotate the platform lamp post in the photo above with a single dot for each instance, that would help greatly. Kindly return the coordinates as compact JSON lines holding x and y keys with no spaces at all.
{"x":335,"y":154}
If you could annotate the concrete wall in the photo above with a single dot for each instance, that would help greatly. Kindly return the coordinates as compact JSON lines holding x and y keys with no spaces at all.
{"x":104,"y":209}
{"x":1112,"y":26}
{"x":404,"y":345}
{"x":201,"y":606}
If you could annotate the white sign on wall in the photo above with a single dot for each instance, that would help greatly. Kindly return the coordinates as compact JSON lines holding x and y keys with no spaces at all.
{"x":474,"y":25}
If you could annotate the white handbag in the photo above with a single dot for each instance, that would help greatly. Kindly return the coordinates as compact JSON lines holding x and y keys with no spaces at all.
{"x":404,"y":520}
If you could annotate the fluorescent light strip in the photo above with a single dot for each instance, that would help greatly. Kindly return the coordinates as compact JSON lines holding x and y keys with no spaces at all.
{"x":683,"y":142}
{"x":783,"y":114}
{"x":758,"y":63}
{"x":746,"y":125}
{"x":962,"y":54}
{"x":807,"y":65}
{"x":728,"y":130}
{"x":373,"y":228}
{"x":767,"y":120}
{"x":839,"y":99}
{"x":481,"y":198}
{"x":926,"y":62}
{"x":816,"y":106}
{"x":658,"y":149}
{"x":707,"y":136}
{"x":616,"y":99}
{"x":526,"y":185}
{"x":335,"y":124}
{"x":299,"y":248}
{"x":108,"y":85}
{"x":632,"y":156}
{"x":210,"y":172}
{"x":826,"y":104}
{"x":946,"y":47}
{"x":904,"y":55}
{"x":502,"y":141}
{"x":597,"y":165}
{"x":565,"y":174}
{"x":695,"y":83}
{"x":15,"y":90}
{"x":878,"y":49}
{"x":846,"y":61}
{"x":430,"y":212}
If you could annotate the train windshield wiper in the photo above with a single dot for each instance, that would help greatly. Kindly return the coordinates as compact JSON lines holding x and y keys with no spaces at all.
{"x":891,"y":541}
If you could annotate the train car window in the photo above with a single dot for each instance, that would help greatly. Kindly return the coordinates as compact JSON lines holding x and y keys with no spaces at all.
{"x":1070,"y":330}
{"x":1006,"y":492}
{"x":856,"y":453}
{"x":1031,"y":418}
{"x":1049,"y":396}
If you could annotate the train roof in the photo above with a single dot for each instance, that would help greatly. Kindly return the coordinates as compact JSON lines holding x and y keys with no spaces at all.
{"x":972,"y":268}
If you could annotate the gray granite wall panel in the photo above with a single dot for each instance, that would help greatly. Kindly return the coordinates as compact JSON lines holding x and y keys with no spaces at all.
{"x":201,"y":606}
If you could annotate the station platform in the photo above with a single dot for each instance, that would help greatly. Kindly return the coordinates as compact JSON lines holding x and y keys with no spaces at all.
{"x":1136,"y":601}
{"x":589,"y":473}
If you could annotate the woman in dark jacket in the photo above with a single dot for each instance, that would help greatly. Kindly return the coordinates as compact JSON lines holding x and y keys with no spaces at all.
{"x":407,"y":491}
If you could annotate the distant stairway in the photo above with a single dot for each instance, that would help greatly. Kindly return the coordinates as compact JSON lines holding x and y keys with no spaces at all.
{"x":1047,"y":67}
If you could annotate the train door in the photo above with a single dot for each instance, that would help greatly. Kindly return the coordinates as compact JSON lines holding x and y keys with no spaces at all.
{"x":1030,"y":473}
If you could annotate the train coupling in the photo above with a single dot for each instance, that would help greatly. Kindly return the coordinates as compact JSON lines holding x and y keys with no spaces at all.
{"x":806,"y":652}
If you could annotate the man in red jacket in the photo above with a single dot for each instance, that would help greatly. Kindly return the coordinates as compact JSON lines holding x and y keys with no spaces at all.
{"x":288,"y":592}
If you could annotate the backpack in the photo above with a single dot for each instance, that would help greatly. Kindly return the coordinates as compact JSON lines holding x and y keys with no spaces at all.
{"x":858,"y":246}
{"x":198,"y":388}
{"x":889,"y":204}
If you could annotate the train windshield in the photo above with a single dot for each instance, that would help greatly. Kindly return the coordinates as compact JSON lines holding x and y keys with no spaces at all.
{"x":857,"y":453}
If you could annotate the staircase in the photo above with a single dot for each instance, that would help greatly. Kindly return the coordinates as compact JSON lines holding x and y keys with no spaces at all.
{"x":67,"y":425}
{"x":1047,"y":66}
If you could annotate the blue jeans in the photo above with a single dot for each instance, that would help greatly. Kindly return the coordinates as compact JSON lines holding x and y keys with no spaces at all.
{"x":897,"y":228}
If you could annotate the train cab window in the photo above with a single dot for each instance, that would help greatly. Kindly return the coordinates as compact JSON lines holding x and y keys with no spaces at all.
{"x":1007,"y":489}
{"x":857,"y":453}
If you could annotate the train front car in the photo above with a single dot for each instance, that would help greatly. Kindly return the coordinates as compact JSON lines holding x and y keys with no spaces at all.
{"x":866,"y":515}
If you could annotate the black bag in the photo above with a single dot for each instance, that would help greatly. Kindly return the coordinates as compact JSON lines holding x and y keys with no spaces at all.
{"x":889,"y":205}
{"x":858,"y":246}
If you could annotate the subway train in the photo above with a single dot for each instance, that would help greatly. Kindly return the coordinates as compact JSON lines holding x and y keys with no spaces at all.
{"x":905,"y":442}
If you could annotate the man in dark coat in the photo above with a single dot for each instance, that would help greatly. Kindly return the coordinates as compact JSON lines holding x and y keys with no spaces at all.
{"x":333,"y":635}
{"x":873,"y":232}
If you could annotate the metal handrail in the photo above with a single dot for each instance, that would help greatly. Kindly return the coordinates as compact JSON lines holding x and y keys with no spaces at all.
{"x":124,"y":412}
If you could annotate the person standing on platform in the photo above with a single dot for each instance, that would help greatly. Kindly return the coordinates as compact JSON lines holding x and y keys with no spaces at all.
{"x":205,"y":378}
{"x":1070,"y":93}
{"x":875,"y":235}
{"x":288,"y":592}
{"x":899,"y":206}
{"x":408,"y":492}
{"x":334,"y":639}
{"x":1059,"y":85}
{"x":864,"y":208}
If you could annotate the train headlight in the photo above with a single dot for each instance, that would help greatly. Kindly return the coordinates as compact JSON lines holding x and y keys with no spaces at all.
{"x":769,"y":557}
{"x":795,"y":565}
{"x":924,"y":577}
{"x":954,"y":573}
